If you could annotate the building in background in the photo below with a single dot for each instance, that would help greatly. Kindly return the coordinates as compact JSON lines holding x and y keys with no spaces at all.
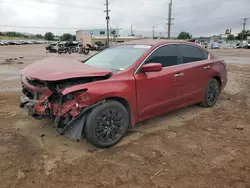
{"x":97,"y":32}
{"x":92,"y":36}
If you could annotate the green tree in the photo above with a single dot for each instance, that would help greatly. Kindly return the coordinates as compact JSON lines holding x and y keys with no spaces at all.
{"x":39,"y":36}
{"x":184,"y":35}
{"x":49,"y":36}
{"x":66,"y":37}
{"x":230,"y":37}
{"x":13,"y":34}
{"x":245,"y":34}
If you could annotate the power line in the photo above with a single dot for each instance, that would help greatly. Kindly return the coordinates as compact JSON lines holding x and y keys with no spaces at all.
{"x":96,"y":9}
{"x":63,"y":5}
{"x":37,"y":27}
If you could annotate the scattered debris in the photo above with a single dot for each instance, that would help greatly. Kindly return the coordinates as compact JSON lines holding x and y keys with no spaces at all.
{"x":157,"y":173}
{"x":239,"y":127}
{"x":42,"y":135}
{"x":7,"y":62}
{"x":20,"y":175}
{"x":92,"y":150}
{"x":10,"y":61}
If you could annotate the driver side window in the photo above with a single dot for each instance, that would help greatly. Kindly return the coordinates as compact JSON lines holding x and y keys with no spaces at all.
{"x":166,"y":55}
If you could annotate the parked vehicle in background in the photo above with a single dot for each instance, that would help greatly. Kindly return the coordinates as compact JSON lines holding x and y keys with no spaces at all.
{"x":2,"y":43}
{"x":198,"y":42}
{"x":100,"y":98}
{"x":22,"y":42}
{"x":96,"y":47}
{"x":215,"y":45}
{"x":244,"y":44}
{"x":63,"y":49}
{"x":52,"y":48}
{"x":73,"y":46}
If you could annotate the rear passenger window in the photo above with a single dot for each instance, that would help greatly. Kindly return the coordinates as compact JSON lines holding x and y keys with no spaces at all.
{"x":189,"y":53}
{"x":166,"y":55}
{"x":204,"y":55}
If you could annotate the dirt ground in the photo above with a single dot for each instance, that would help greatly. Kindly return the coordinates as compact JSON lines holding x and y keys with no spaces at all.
{"x":193,"y":147}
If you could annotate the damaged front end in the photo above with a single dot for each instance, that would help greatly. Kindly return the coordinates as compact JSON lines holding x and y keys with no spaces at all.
{"x":45,"y":99}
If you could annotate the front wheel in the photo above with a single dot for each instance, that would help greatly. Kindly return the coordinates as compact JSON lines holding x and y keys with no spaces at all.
{"x":211,"y":93}
{"x":106,"y":124}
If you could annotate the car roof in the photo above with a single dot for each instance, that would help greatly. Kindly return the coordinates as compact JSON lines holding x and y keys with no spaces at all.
{"x":156,"y":42}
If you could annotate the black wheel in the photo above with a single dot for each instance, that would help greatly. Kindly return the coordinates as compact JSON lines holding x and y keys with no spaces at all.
{"x":86,"y":51}
{"x":107,"y":124}
{"x":211,"y":93}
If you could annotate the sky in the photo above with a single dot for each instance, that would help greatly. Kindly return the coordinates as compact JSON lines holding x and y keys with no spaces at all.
{"x":198,"y":17}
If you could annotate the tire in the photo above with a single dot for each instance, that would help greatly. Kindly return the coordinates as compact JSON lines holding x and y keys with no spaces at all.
{"x":86,"y":51}
{"x":211,"y":93}
{"x":102,"y":130}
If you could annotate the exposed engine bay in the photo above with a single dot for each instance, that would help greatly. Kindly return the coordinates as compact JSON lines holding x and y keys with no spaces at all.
{"x":68,"y":111}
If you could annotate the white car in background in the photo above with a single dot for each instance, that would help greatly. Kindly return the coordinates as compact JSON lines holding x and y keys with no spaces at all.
{"x":198,"y":42}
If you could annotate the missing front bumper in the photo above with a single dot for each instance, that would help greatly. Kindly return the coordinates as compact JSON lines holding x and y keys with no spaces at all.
{"x":28,"y":105}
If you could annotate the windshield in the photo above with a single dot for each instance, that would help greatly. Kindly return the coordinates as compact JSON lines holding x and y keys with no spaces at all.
{"x":118,"y":58}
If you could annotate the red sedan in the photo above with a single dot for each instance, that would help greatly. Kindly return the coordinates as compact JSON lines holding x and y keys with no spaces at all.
{"x":100,"y":98}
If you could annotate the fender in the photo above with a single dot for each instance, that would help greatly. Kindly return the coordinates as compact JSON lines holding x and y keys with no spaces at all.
{"x":101,"y":90}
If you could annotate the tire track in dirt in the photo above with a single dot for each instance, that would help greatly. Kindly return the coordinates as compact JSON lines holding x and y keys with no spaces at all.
{"x":193,"y":147}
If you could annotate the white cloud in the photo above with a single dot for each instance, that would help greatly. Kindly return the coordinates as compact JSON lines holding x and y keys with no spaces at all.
{"x":204,"y":17}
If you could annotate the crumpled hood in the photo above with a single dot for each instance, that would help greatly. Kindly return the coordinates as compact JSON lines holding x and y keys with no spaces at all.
{"x":57,"y":68}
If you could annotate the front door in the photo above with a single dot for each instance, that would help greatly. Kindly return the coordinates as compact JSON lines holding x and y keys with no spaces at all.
{"x":158,"y":91}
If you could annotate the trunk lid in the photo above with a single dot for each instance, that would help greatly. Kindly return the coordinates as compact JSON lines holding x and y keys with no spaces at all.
{"x":55,"y":68}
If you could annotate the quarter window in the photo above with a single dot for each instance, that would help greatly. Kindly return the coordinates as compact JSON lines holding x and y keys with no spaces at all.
{"x":189,"y":53}
{"x":204,"y":55}
{"x":166,"y":55}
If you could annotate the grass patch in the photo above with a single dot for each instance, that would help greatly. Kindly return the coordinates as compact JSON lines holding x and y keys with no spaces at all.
{"x":10,"y":38}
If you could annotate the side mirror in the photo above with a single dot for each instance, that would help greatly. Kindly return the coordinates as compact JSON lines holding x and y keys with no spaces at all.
{"x":152,"y":67}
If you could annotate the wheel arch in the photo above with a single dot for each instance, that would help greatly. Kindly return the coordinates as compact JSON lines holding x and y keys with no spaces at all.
{"x":125,"y":103}
{"x":218,"y":79}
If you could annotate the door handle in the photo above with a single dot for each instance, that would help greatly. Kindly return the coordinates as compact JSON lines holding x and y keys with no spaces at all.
{"x":179,"y":75}
{"x":207,"y":67}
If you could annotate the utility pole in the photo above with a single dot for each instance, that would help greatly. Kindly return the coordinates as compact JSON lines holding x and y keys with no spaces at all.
{"x":153,"y":30}
{"x":169,"y":18}
{"x":244,"y":27}
{"x":132,"y":30}
{"x":107,"y":19}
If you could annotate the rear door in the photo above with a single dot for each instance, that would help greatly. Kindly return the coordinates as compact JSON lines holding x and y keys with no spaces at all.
{"x":195,"y":68}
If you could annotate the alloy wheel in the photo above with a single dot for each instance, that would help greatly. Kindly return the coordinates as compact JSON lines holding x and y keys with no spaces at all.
{"x":109,"y":125}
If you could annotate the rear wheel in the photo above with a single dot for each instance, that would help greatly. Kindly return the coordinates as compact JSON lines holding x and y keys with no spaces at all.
{"x":107,"y":124}
{"x":211,"y":93}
